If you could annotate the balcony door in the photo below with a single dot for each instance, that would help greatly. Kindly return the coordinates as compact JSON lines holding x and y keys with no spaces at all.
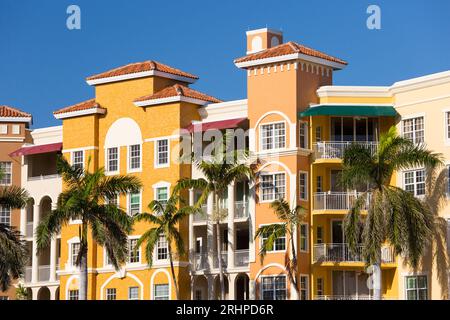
{"x":349,"y":129}
{"x":350,"y":285}
{"x":337,"y":232}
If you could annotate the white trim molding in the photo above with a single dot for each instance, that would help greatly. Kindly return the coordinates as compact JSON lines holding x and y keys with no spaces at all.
{"x":86,"y":112}
{"x":153,"y":102}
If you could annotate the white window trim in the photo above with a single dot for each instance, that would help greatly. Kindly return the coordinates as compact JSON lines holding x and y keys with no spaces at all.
{"x":412,"y":116}
{"x":115,"y":293}
{"x":138,"y":298}
{"x":155,"y":254}
{"x":105,"y":256}
{"x":107,"y":172}
{"x":72,"y":156}
{"x":129,"y":170}
{"x":415,"y":274}
{"x":160,"y":284}
{"x":272,"y":276}
{"x":301,"y":122}
{"x":129,"y":202}
{"x":11,"y":180}
{"x":161,"y":184}
{"x":5,"y":127}
{"x":446,"y":138}
{"x":269,"y":173}
{"x":130,"y":264}
{"x":415,"y":182}
{"x":69,"y":263}
{"x":306,"y":185}
{"x":307,"y":237}
{"x":260,"y":131}
{"x":15,"y":126}
{"x":307,"y":285}
{"x":155,"y":160}
{"x":286,"y":240}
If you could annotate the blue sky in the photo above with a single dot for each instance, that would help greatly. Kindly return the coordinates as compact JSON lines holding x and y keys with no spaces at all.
{"x":43,"y":64}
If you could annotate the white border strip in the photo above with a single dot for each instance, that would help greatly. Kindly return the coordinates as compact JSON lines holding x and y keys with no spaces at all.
{"x":137,"y":75}
{"x":80,"y":113}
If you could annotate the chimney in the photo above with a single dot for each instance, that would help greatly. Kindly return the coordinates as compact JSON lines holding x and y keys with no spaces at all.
{"x":261,"y":39}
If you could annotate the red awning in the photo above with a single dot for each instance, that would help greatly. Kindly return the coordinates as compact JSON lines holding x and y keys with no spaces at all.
{"x":45,"y":148}
{"x":218,"y":125}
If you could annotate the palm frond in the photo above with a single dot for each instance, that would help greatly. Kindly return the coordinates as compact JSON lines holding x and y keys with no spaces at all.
{"x":13,"y":197}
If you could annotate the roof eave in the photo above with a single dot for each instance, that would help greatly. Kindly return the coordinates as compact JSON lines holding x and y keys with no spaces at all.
{"x":137,"y":75}
{"x":292,"y":56}
{"x":152,"y":102}
{"x":79,"y":113}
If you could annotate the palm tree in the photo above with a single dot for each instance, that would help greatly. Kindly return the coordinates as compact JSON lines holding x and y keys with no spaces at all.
{"x":394,"y":215}
{"x":219,"y":171}
{"x":13,"y":252}
{"x":83,"y":199}
{"x":164,"y":221}
{"x":290,"y":220}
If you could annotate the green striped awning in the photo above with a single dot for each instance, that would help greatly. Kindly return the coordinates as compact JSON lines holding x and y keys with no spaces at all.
{"x":349,"y":110}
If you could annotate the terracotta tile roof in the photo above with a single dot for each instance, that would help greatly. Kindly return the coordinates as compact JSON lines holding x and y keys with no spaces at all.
{"x":10,"y":112}
{"x":85,"y":105}
{"x":288,"y":48}
{"x":141,"y":67}
{"x":178,"y":90}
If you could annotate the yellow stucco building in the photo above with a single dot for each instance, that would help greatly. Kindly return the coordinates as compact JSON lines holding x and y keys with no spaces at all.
{"x":297,"y":124}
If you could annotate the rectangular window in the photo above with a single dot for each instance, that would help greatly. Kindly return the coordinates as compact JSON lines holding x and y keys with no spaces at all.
{"x":133,"y":293}
{"x":319,"y":235}
{"x":162,"y":152}
{"x":113,"y":159}
{"x":303,"y":129}
{"x":303,"y":287}
{"x":273,"y":288}
{"x":278,"y":245}
{"x":111,"y":293}
{"x":15,"y":129}
{"x":413,"y":129}
{"x":273,"y":186}
{"x":318,"y":134}
{"x":162,"y":249}
{"x":73,"y":294}
{"x":304,"y":237}
{"x":3,"y":129}
{"x":303,"y":185}
{"x":4,"y":298}
{"x":135,"y":203}
{"x":75,"y":249}
{"x":5,"y":216}
{"x":161,"y":292}
{"x":114,"y":201}
{"x":134,"y":256}
{"x":6,"y":170}
{"x":273,"y":136}
{"x":134,"y":157}
{"x":414,"y":182}
{"x":319,"y":285}
{"x":319,"y":184}
{"x":162,"y":194}
{"x":447,"y":124}
{"x":78,"y":159}
{"x":417,"y":288}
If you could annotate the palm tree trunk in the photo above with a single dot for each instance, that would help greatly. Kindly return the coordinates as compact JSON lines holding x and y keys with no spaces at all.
{"x":294,"y":278}
{"x":177,"y":292}
{"x":219,"y":255}
{"x":83,"y":277}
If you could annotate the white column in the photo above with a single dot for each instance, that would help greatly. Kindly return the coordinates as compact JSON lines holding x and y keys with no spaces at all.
{"x":232,"y":287}
{"x":210,"y":231}
{"x":252,"y":222}
{"x":53,"y":258}
{"x":231,"y":235}
{"x":252,"y":290}
{"x":34,"y":293}
{"x":23,"y":222}
{"x":211,"y":286}
{"x":35,"y":256}
{"x":52,"y":290}
{"x":191,"y":228}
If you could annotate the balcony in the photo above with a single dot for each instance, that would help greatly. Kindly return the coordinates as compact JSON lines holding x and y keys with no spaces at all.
{"x":350,"y":297}
{"x":340,"y":252}
{"x":335,"y":149}
{"x":241,"y":258}
{"x":28,"y":271}
{"x":337,"y":200}
{"x":241,"y":210}
{"x":44,"y":177}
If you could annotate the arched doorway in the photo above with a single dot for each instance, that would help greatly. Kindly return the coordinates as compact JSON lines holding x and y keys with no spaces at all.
{"x":43,"y":294}
{"x":241,"y":285}
{"x":200,"y":288}
{"x":57,"y":294}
